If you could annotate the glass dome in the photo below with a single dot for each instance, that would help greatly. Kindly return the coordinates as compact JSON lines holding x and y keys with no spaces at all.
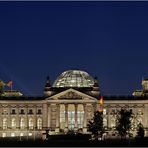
{"x":74,"y":78}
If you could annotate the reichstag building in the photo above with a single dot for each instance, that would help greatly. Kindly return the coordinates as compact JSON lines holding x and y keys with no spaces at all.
{"x":67,"y":104}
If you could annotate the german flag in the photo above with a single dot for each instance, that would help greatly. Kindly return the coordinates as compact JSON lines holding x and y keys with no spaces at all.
{"x":101,"y":100}
{"x":9,"y":83}
{"x":101,"y":103}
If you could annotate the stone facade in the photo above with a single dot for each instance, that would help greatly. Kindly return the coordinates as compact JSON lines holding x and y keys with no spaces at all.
{"x":64,"y":109}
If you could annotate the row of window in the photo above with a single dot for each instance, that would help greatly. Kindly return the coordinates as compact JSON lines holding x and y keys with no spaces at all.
{"x":13,"y":134}
{"x":22,"y":123}
{"x":71,"y":119}
{"x":114,"y":111}
{"x":22,"y":111}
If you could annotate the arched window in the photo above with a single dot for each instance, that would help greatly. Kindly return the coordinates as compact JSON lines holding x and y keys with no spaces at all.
{"x":5,"y":123}
{"x":39,"y":123}
{"x":22,"y":123}
{"x":13,"y":123}
{"x":30,"y":123}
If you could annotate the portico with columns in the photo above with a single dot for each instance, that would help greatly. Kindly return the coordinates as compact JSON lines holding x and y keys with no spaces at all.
{"x":70,"y":110}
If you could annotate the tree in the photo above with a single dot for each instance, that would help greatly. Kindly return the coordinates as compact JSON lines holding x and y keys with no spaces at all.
{"x":140,"y":132}
{"x":2,"y":84}
{"x":123,"y":122}
{"x":95,"y":126}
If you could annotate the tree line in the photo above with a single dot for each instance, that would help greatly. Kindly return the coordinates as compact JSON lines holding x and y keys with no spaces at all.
{"x":123,"y":125}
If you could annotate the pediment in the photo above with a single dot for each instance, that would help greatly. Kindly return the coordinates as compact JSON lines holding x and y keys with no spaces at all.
{"x":71,"y":94}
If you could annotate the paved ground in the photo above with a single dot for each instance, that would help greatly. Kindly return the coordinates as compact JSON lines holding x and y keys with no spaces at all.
{"x":72,"y":143}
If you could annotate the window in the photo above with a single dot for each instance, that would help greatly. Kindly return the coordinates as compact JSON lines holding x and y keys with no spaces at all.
{"x":104,"y":111}
{"x":30,"y":111}
{"x":39,"y":111}
{"x":105,"y":122}
{"x":4,"y":135}
{"x":113,"y":122}
{"x":80,"y":117}
{"x":4,"y":123}
{"x":30,"y":123}
{"x":22,"y":111}
{"x":71,"y":119}
{"x":13,"y":111}
{"x":39,"y":123}
{"x":21,"y":134}
{"x":13,"y":123}
{"x":12,"y":134}
{"x":22,"y":123}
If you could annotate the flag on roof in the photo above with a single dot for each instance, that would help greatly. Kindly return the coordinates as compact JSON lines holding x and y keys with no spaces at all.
{"x":9,"y":83}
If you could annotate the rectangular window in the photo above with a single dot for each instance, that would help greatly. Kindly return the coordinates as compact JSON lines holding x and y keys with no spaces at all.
{"x":22,"y":111}
{"x":30,"y":111}
{"x":13,"y":111}
{"x":39,"y":111}
{"x":104,"y":111}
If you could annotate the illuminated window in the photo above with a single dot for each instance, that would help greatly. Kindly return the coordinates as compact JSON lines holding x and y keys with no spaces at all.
{"x":30,"y":134}
{"x":30,"y":123}
{"x":39,"y":123}
{"x":22,"y":123}
{"x":105,"y":122}
{"x":113,"y":122}
{"x":13,"y":123}
{"x":71,"y":116}
{"x":13,"y":111}
{"x":21,"y":134}
{"x":74,"y":78}
{"x":71,"y":119}
{"x":80,"y":118}
{"x":12,"y":134}
{"x":5,"y":123}
{"x":4,"y":135}
{"x":104,"y":111}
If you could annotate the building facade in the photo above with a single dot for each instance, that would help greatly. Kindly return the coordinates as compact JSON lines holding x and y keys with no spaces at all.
{"x":68,"y":104}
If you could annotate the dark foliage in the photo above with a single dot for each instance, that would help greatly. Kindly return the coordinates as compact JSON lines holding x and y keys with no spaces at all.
{"x":123,"y":122}
{"x":95,"y":126}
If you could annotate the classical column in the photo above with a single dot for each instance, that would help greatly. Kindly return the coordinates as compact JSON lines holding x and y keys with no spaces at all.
{"x":76,"y":116}
{"x":66,"y":117}
{"x":17,"y":118}
{"x":49,"y":116}
{"x":85,"y":119}
{"x":57,"y":117}
{"x":45,"y":111}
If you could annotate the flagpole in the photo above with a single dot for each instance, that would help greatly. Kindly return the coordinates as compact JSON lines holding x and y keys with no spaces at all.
{"x":11,"y":87}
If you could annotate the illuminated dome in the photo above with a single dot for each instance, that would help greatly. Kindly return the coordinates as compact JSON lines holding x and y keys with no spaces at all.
{"x":74,"y":78}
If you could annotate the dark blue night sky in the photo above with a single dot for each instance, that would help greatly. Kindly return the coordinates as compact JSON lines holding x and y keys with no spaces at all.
{"x":106,"y":39}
